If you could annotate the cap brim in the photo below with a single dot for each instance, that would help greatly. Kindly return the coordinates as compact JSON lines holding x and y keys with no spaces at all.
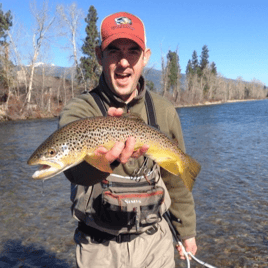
{"x":113,"y":37}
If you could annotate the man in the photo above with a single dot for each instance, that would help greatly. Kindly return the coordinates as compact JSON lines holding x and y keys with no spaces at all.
{"x":101,"y":241}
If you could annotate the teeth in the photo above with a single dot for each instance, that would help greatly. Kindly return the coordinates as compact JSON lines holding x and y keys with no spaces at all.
{"x":123,"y":75}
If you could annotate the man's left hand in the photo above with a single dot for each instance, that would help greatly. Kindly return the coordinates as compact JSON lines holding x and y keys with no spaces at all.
{"x":190,"y":246}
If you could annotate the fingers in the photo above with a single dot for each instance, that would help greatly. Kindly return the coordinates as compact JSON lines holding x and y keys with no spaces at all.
{"x":122,"y":151}
{"x":128,"y":150}
{"x":181,"y":252}
{"x":113,"y":154}
{"x":141,"y":151}
{"x":112,"y":111}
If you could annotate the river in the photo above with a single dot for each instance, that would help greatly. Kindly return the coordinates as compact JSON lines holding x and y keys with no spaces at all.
{"x":231,"y":192}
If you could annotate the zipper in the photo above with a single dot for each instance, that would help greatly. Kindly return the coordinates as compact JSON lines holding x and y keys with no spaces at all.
{"x":128,"y":107}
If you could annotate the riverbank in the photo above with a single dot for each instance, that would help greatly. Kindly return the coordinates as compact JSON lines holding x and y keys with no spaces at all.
{"x":206,"y":103}
{"x":37,"y":114}
{"x":27,"y":114}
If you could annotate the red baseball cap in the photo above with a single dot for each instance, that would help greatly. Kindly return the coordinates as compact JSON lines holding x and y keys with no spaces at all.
{"x":122,"y":25}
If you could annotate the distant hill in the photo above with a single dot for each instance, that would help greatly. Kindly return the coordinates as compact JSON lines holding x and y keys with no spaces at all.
{"x":57,"y":71}
{"x":155,"y":76}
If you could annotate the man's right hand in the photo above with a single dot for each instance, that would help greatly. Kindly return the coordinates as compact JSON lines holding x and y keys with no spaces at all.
{"x":121,"y":151}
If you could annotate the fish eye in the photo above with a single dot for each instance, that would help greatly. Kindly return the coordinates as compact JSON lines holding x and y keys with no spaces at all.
{"x":51,"y":152}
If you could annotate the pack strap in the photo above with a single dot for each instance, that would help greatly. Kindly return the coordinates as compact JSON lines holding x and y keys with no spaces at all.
{"x":99,"y":101}
{"x":150,"y":109}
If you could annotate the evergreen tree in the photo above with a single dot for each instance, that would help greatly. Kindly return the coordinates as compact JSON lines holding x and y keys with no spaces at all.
{"x":194,"y":62}
{"x":89,"y":62}
{"x":204,"y":58}
{"x":173,"y":69}
{"x":189,"y":68}
{"x":150,"y":85}
{"x":5,"y":24}
{"x":213,"y":68}
{"x":5,"y":64}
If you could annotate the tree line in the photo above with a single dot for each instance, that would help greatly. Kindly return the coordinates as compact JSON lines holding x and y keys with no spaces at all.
{"x":203,"y":83}
{"x":37,"y":91}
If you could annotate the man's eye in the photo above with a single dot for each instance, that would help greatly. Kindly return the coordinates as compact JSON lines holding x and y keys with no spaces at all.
{"x":134,"y":52}
{"x":113,"y":51}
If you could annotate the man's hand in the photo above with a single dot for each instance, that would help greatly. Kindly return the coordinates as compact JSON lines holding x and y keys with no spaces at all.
{"x":121,"y":151}
{"x":190,"y":246}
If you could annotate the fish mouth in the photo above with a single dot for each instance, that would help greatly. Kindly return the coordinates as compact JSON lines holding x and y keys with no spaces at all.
{"x":49,"y":169}
{"x":46,"y":171}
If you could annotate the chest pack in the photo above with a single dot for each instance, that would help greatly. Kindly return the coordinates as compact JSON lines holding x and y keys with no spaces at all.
{"x":128,"y":204}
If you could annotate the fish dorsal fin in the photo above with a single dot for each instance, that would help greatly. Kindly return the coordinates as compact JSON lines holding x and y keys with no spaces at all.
{"x":133,"y":116}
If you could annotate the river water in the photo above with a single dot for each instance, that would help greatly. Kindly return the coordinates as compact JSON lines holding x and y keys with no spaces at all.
{"x":231,"y":192}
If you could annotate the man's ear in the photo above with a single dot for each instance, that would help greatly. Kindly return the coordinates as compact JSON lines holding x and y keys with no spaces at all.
{"x":98,"y":53}
{"x":146,"y":56}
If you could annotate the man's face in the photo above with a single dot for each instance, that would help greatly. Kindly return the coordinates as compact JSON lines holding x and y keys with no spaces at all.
{"x":123,"y":62}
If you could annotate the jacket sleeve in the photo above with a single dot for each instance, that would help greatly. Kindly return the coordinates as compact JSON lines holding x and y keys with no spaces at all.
{"x":182,"y":202}
{"x":80,"y":107}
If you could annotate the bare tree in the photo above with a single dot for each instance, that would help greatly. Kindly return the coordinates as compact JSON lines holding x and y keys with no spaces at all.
{"x":70,"y":18}
{"x":43,"y":24}
{"x":256,"y":89}
{"x":16,"y":41}
{"x":71,"y":73}
{"x":178,"y":89}
{"x":164,"y":74}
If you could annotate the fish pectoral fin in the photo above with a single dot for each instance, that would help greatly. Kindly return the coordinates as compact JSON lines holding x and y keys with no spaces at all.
{"x":169,"y":165}
{"x":99,"y":162}
{"x":187,"y":170}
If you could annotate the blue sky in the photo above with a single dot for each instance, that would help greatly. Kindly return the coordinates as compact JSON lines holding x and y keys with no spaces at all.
{"x":236,"y":32}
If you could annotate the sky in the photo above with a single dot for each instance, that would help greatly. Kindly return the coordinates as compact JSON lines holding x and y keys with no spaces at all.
{"x":235,"y":32}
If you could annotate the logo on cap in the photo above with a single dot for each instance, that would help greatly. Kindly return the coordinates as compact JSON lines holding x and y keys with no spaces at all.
{"x":123,"y":20}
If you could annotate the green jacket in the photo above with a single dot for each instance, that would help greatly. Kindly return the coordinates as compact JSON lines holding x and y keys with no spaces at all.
{"x":182,"y":206}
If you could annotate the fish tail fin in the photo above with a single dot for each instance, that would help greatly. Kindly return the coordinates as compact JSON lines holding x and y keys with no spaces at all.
{"x":187,"y":168}
{"x":189,"y":171}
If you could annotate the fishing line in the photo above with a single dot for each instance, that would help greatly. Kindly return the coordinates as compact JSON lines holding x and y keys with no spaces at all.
{"x":179,"y":243}
{"x":43,"y":188}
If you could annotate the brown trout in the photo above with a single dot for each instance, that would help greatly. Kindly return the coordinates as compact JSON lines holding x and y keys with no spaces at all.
{"x":77,"y":142}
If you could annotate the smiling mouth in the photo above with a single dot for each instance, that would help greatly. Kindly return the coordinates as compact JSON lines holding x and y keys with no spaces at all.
{"x":122,"y":76}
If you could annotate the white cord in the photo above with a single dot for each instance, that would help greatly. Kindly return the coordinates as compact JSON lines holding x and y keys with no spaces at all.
{"x":200,"y":262}
{"x":187,"y":254}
